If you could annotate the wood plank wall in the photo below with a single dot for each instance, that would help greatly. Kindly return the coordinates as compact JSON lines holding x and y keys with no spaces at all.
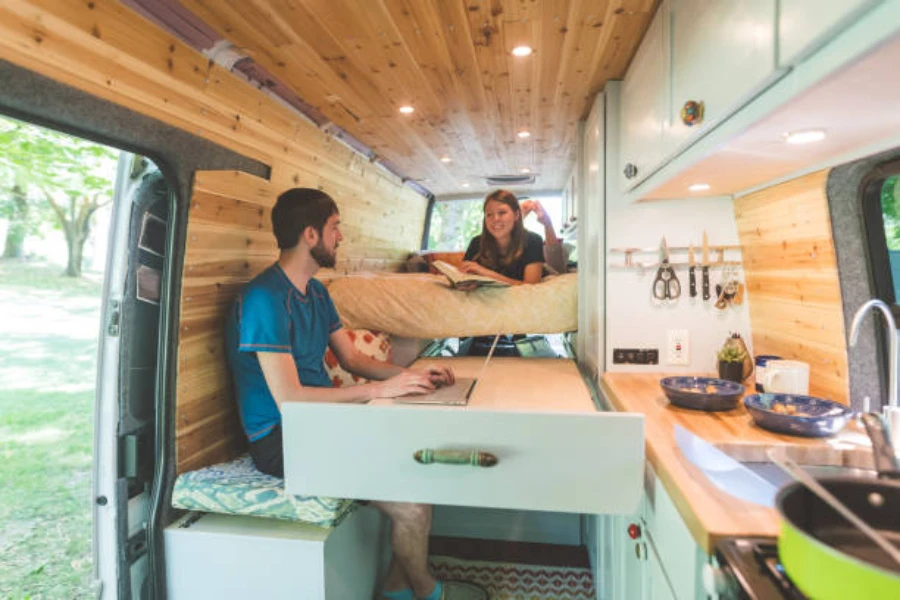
{"x":229,"y":241}
{"x":104,"y":48}
{"x":792,"y":280}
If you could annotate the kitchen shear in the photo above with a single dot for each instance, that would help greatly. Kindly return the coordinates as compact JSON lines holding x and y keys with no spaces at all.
{"x":665,"y":285}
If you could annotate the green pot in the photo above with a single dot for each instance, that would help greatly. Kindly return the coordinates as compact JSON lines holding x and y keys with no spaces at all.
{"x":732,"y":371}
{"x":824,"y":570}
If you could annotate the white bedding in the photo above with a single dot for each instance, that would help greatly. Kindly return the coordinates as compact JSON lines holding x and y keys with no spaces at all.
{"x":424,"y":306}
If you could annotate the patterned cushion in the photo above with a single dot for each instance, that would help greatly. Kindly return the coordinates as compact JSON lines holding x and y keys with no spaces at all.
{"x":237,"y":488}
{"x":373,"y":344}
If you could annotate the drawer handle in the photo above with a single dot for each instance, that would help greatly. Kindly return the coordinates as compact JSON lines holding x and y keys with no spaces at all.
{"x":455,"y":457}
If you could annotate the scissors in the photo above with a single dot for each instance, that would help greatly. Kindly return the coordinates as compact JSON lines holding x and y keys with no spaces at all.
{"x":665,"y":284}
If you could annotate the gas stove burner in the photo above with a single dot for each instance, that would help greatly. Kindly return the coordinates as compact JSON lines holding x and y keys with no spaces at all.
{"x":753,"y":570}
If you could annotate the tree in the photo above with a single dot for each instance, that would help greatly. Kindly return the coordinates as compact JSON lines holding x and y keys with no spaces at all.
{"x":890,"y":197}
{"x":454,"y":223}
{"x":45,"y":172}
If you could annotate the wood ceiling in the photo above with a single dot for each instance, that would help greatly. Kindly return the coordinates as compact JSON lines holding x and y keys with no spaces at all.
{"x":358,"y":61}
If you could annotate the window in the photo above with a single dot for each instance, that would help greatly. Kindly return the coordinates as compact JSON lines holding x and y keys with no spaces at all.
{"x":881,"y":212}
{"x":455,"y":222}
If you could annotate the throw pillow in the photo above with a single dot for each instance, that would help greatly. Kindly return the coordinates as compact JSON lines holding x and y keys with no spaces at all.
{"x":374,"y":344}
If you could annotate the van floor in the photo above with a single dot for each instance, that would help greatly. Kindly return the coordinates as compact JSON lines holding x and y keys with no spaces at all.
{"x":515,"y":570}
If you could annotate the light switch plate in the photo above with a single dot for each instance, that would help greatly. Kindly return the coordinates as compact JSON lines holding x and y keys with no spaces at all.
{"x":678,"y":348}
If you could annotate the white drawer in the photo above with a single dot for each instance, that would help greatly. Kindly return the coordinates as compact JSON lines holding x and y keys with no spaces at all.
{"x":571,"y":461}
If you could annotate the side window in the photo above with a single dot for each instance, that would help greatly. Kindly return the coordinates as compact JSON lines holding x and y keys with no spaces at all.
{"x":455,"y":222}
{"x":881,"y":210}
{"x":889,"y":197}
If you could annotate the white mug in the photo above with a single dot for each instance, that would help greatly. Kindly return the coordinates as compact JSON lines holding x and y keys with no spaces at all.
{"x":786,"y":377}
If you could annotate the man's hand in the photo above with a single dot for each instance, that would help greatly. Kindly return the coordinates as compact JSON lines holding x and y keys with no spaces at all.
{"x":408,"y":382}
{"x":439,"y":376}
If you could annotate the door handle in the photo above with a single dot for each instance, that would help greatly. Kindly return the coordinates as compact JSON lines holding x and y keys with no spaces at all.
{"x":428,"y":456}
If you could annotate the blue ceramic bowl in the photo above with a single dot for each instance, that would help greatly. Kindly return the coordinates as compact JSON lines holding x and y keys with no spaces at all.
{"x":797,"y":415}
{"x":702,"y":393}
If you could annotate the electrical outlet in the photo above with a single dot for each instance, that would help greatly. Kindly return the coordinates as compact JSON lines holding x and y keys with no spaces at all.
{"x":678,"y":348}
{"x":635,"y":356}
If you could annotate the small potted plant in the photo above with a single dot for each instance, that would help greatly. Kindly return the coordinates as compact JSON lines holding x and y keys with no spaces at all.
{"x":731,"y":363}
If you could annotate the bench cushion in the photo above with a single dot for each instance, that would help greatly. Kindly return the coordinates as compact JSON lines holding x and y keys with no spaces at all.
{"x":237,"y":488}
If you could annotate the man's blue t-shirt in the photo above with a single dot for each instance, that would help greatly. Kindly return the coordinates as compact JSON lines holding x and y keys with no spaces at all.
{"x":272,"y":315}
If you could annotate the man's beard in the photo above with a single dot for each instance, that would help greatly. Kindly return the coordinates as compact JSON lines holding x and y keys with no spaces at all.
{"x":323,"y":258}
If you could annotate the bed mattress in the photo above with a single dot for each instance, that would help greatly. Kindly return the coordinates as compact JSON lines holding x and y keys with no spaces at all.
{"x":425,"y":306}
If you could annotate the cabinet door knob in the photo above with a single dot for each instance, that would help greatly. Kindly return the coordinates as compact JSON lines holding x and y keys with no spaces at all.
{"x":631,"y":171}
{"x":474,"y":458}
{"x":692,"y":113}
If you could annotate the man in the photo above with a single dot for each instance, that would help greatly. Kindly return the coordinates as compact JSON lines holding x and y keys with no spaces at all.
{"x":276,"y":338}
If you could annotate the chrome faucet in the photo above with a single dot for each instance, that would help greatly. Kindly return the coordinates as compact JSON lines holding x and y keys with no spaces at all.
{"x":892,"y":338}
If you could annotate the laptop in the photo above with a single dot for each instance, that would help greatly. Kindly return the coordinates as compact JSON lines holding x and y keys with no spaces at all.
{"x":457,"y":394}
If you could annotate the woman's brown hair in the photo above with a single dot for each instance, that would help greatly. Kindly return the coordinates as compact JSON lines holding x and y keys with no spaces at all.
{"x":488,"y":251}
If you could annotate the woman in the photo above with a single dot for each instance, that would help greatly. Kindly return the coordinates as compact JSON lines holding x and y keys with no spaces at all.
{"x":504,"y":251}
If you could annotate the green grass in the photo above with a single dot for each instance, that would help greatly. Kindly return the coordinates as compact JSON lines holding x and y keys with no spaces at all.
{"x":33,"y":275}
{"x":47,"y":370}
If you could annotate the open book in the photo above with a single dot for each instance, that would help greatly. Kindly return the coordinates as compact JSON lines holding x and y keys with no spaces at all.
{"x":457,"y":277}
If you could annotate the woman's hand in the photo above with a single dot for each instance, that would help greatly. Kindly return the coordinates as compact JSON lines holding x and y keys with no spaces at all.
{"x":469,"y":266}
{"x":535,"y":206}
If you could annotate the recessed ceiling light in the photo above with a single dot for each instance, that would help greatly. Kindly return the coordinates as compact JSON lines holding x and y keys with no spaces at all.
{"x":465,"y":185}
{"x":524,"y":134}
{"x":522,"y":51}
{"x":446,"y":159}
{"x":805,"y":136}
{"x":699,"y":187}
{"x":524,"y":170}
{"x":407,"y":109}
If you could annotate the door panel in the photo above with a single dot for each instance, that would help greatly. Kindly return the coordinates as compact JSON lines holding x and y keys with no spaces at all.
{"x":723,"y":52}
{"x":125,"y":421}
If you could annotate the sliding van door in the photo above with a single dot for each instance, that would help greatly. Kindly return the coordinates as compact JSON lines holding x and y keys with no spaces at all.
{"x":129,"y":355}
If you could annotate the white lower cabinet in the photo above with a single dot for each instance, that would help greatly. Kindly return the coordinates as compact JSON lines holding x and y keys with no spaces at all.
{"x":619,"y":565}
{"x":649,"y":555}
{"x":656,"y":585}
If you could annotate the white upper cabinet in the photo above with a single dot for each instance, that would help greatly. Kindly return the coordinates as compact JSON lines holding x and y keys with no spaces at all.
{"x":723,"y":53}
{"x":645,"y":104}
{"x":804,"y":25}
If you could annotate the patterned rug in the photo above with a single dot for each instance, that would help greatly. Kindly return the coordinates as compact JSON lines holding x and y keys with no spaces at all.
{"x":517,"y":581}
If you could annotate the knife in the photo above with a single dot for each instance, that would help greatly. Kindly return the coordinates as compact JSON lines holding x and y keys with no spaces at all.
{"x":691,"y":271}
{"x":705,"y":265}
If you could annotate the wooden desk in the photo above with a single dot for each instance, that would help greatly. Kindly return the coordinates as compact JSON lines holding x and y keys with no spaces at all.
{"x":555,"y":451}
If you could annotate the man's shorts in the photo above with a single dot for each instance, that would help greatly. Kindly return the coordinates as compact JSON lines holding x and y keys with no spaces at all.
{"x":268,"y":453}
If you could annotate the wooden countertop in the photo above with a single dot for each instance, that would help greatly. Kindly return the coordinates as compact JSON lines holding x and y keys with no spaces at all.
{"x":709,"y":513}
{"x":540,"y":384}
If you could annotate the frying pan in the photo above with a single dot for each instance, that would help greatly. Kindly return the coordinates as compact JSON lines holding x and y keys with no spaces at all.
{"x":823,"y":554}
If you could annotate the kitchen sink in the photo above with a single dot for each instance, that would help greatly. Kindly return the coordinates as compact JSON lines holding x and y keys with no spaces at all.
{"x":774,"y":475}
